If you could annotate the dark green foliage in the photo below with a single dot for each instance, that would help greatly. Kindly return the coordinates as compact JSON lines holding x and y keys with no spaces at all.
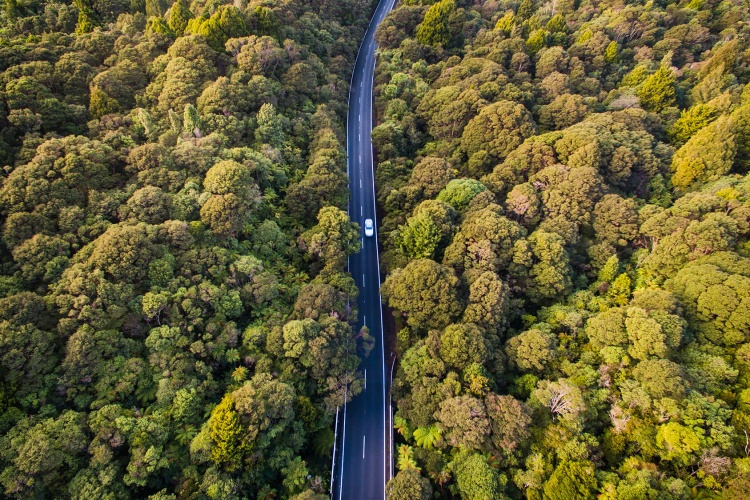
{"x":166,"y":325}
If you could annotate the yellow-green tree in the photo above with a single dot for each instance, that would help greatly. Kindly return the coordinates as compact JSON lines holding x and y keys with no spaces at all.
{"x":657,"y":91}
{"x":227,"y":434}
{"x":435,"y":29}
{"x":708,"y":155}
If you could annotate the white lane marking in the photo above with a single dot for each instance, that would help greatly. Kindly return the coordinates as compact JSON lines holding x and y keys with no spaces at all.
{"x":360,"y":184}
{"x":364,"y":320}
{"x":363,"y":280}
{"x":363,"y":446}
{"x":361,"y":210}
{"x":363,"y":242}
{"x":360,"y":157}
{"x":365,"y":378}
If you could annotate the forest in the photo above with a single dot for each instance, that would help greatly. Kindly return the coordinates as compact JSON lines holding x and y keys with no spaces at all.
{"x":566,"y":213}
{"x":174,"y":307}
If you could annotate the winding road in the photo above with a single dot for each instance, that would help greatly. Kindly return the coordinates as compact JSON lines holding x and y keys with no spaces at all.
{"x":362,"y":461}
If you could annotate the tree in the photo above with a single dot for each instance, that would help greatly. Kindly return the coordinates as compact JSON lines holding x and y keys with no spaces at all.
{"x":179,"y":16}
{"x":191,"y":121}
{"x":419,"y":237}
{"x":661,"y":378}
{"x":657,"y":92}
{"x":525,"y":10}
{"x":226,"y":22}
{"x":86,"y":18}
{"x":462,"y":345}
{"x":691,"y":121}
{"x":435,"y":28}
{"x":227,"y":434}
{"x":270,"y":128}
{"x":607,"y":329}
{"x":510,"y":420}
{"x":425,"y":292}
{"x":488,"y":303}
{"x":574,"y":480}
{"x":547,"y":262}
{"x":101,"y":104}
{"x":432,"y":175}
{"x":708,"y":155}
{"x":408,"y":484}
{"x":498,"y":129}
{"x":476,"y":479}
{"x":561,"y":398}
{"x":464,"y":422}
{"x":43,"y":455}
{"x":332,"y":240}
{"x":615,"y":220}
{"x":233,"y":197}
{"x":533,"y":349}
{"x":611,"y":52}
{"x":484,"y":242}
{"x":459,"y":192}
{"x":428,"y":437}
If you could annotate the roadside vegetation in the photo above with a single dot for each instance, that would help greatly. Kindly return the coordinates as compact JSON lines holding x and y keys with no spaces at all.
{"x":174,"y":312}
{"x":567,"y":211}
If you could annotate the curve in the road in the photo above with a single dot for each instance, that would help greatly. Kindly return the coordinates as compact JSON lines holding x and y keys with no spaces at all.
{"x":362,"y":461}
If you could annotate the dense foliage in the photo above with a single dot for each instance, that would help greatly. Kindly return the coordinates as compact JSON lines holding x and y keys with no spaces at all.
{"x":175,"y":318}
{"x":567,"y":211}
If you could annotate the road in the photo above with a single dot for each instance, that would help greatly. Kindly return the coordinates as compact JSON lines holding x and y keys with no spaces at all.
{"x":363,"y":460}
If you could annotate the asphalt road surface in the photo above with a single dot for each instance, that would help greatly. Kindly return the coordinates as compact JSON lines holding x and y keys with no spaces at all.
{"x":362,"y":460}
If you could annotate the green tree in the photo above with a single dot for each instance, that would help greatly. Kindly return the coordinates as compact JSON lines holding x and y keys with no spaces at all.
{"x":191,"y":121}
{"x":498,"y":129}
{"x":476,"y":478}
{"x":464,"y":422}
{"x":333,"y":239}
{"x":678,"y":443}
{"x":101,"y":104}
{"x":62,"y":442}
{"x":691,"y":121}
{"x":708,"y":155}
{"x":574,"y":480}
{"x":488,"y":304}
{"x":425,"y":292}
{"x":227,"y":434}
{"x":408,"y":484}
{"x":462,"y":345}
{"x":270,"y":128}
{"x":459,"y":192}
{"x":435,"y":28}
{"x":179,"y":16}
{"x":611,"y":52}
{"x":526,"y":9}
{"x":533,"y":349}
{"x":419,"y":237}
{"x":87,"y":20}
{"x":658,"y":90}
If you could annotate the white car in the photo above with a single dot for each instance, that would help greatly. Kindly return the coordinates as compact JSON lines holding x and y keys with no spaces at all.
{"x":369,"y":228}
